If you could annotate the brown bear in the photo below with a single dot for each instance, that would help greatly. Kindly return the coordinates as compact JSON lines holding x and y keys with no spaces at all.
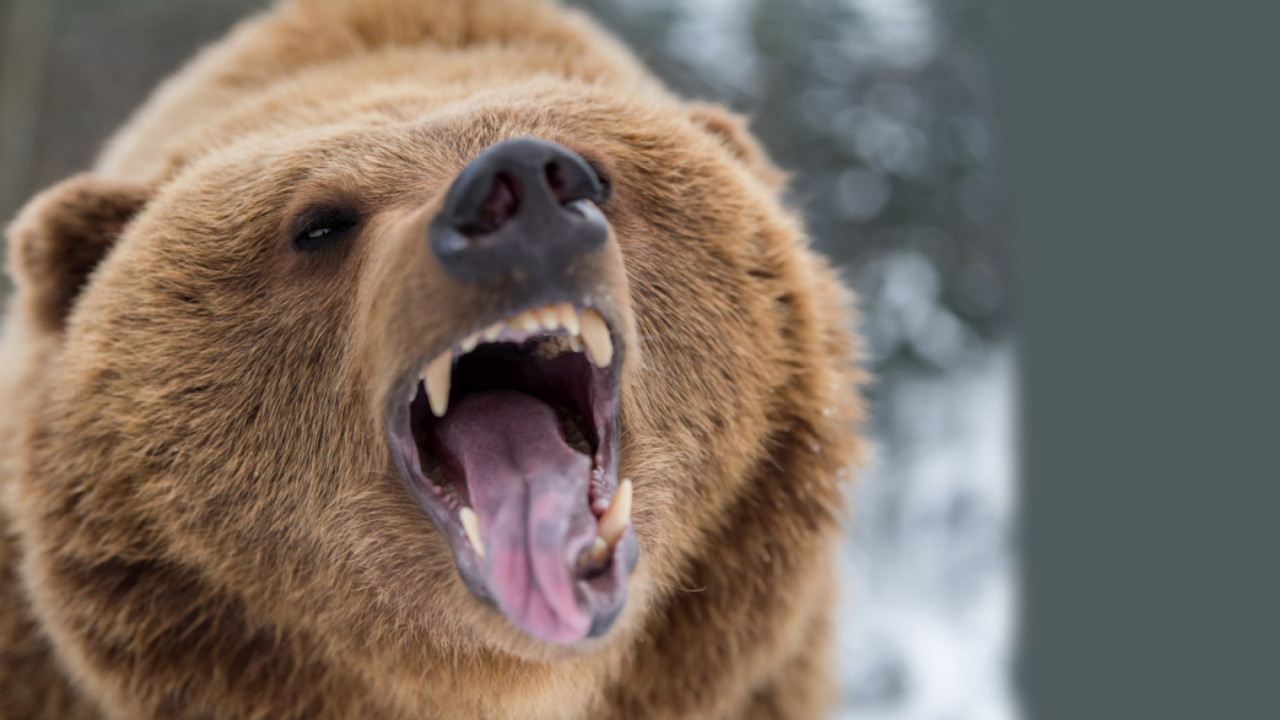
{"x":421,"y":359}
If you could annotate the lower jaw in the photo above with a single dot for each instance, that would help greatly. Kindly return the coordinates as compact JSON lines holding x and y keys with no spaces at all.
{"x":482,"y":417}
{"x":602,"y":596}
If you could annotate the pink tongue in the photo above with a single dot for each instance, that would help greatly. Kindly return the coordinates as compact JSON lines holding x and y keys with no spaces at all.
{"x":529,"y":490}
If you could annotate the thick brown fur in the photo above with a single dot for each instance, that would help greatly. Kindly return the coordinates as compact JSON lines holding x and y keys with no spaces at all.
{"x":201,"y":514}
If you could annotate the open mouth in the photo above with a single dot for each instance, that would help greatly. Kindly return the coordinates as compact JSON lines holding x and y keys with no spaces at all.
{"x":509,"y":440}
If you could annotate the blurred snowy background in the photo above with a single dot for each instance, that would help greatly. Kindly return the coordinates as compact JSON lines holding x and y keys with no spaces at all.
{"x":882,"y":110}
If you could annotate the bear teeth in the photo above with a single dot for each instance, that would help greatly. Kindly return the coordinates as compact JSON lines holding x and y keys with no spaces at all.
{"x":471,"y":525}
{"x":617,"y":517}
{"x":595,"y":334}
{"x":594,"y":555}
{"x":612,"y":524}
{"x":585,"y":330}
{"x":437,"y":378}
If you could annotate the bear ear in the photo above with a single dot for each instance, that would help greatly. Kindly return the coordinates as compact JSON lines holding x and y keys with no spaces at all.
{"x":61,"y":236}
{"x":731,"y":129}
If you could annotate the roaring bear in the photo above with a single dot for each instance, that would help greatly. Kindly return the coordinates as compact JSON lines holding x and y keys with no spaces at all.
{"x":421,"y":359}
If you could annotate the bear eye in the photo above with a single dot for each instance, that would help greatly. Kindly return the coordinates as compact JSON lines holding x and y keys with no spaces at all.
{"x":321,"y":227}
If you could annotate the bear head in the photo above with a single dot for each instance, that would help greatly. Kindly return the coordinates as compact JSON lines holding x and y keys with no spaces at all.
{"x":482,"y":376}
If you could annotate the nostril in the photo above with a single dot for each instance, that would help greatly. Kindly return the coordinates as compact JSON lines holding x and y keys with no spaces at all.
{"x":498,"y":207}
{"x":557,"y":182}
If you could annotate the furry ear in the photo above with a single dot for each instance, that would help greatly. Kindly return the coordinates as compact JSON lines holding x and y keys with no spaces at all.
{"x":732,"y":130}
{"x":61,"y":236}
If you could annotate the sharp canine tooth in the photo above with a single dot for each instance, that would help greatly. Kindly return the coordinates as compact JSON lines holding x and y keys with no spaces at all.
{"x":471,"y":524}
{"x":492,"y":332}
{"x":471,"y":342}
{"x":568,"y":318}
{"x":618,"y":516}
{"x":596,"y":336}
{"x":437,"y":377}
{"x":598,"y":551}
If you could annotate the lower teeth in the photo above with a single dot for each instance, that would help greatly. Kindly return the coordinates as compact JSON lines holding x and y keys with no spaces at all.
{"x":431,"y":470}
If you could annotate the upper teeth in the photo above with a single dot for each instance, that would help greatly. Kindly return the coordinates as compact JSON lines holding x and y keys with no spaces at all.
{"x":585,"y":328}
{"x":437,"y":377}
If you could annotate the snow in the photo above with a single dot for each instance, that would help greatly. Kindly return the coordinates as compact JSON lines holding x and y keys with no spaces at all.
{"x":928,"y":623}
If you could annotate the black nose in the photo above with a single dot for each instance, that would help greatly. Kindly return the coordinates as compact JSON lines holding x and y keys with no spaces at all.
{"x":519,"y":206}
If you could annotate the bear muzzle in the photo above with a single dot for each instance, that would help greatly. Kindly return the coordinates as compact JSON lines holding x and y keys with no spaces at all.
{"x":513,"y":323}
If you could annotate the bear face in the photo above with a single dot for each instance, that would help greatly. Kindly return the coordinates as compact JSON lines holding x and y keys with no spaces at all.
{"x":278,"y":432}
